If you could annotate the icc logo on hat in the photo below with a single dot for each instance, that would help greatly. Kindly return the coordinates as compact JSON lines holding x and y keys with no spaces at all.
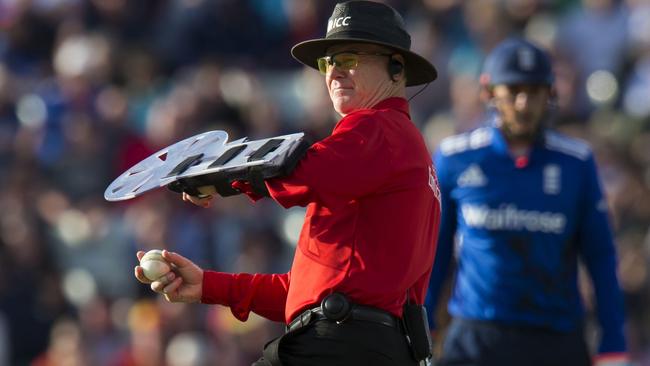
{"x":338,"y":22}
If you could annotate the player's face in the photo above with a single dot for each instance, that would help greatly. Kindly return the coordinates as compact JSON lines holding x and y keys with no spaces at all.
{"x":521,"y":108}
{"x":356,"y":76}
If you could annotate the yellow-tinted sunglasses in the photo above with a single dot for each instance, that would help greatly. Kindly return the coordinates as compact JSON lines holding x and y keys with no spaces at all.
{"x":345,"y":60}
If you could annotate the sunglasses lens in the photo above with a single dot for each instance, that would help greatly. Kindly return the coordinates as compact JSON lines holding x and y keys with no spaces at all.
{"x":323,"y":62}
{"x":346,"y":61}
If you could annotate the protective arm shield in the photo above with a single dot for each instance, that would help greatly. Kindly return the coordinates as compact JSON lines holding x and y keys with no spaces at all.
{"x":207,"y":159}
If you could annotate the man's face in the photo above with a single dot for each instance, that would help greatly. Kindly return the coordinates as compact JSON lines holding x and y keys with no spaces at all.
{"x":521,"y":108}
{"x":352,"y":88}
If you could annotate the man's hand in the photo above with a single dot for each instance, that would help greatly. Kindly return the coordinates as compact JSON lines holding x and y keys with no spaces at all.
{"x":205,"y":199}
{"x":184,"y":283}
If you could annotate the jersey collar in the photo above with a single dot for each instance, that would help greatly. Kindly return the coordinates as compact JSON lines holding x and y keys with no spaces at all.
{"x":500,"y":146}
{"x":396,"y":103}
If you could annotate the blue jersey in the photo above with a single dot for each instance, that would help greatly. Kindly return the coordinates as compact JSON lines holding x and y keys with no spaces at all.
{"x":520,"y":227}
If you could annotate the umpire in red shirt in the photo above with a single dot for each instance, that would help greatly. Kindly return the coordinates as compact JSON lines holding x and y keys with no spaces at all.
{"x":372,"y":199}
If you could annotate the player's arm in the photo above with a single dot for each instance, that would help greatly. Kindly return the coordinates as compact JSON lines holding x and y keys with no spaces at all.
{"x":353,"y":161}
{"x":444,"y":251}
{"x":598,"y":252}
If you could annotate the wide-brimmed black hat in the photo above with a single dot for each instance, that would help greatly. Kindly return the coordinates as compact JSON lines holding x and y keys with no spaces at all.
{"x":367,"y":22}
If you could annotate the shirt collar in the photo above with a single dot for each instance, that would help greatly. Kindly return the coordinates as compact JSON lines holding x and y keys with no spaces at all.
{"x":397,"y":103}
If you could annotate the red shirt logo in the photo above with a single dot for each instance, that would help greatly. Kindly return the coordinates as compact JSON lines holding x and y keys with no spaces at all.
{"x":433,"y":182}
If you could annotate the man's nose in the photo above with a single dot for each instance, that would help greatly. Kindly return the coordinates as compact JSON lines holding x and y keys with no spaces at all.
{"x":521,"y":100}
{"x":336,"y":72}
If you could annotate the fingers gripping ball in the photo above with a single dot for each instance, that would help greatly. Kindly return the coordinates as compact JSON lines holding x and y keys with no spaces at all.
{"x":154,"y":265}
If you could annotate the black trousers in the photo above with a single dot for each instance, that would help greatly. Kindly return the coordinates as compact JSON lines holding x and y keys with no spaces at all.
{"x":351,"y":343}
{"x":479,"y":343}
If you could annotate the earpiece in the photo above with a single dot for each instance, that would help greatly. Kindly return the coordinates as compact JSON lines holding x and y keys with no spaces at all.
{"x":395,"y":67}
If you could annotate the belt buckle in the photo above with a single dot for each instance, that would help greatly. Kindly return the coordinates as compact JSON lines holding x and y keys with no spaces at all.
{"x":300,"y":321}
{"x":305,"y":318}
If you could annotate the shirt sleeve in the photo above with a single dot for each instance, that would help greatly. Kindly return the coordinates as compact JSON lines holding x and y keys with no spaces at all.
{"x":444,"y":251}
{"x":263,"y":294}
{"x":597,"y":250}
{"x":350,"y":163}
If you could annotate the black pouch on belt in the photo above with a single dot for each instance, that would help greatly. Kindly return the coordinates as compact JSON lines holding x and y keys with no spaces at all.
{"x":417,"y":330}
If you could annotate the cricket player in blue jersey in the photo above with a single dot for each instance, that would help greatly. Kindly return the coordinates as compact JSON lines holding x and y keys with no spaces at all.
{"x":523,"y":204}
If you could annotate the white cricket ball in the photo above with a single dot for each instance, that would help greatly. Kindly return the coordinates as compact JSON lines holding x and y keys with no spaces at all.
{"x":154,"y":265}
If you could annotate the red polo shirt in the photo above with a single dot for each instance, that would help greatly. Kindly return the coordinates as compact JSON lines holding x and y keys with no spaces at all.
{"x":371,"y":225}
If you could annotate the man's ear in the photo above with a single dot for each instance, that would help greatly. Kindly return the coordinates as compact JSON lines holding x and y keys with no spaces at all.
{"x":396,"y":68}
{"x":486,"y":94}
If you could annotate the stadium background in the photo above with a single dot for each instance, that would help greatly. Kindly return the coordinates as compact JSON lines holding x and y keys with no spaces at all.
{"x":89,"y":87}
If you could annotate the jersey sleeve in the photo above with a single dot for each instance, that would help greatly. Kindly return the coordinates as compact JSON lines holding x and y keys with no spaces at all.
{"x":350,"y":163}
{"x":597,"y":250}
{"x":263,"y":294}
{"x":444,"y":251}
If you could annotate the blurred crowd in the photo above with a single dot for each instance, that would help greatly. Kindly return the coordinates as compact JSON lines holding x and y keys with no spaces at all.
{"x":90,"y":87}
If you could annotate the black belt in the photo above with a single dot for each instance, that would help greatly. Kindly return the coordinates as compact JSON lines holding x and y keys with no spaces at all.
{"x":350,"y":312}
